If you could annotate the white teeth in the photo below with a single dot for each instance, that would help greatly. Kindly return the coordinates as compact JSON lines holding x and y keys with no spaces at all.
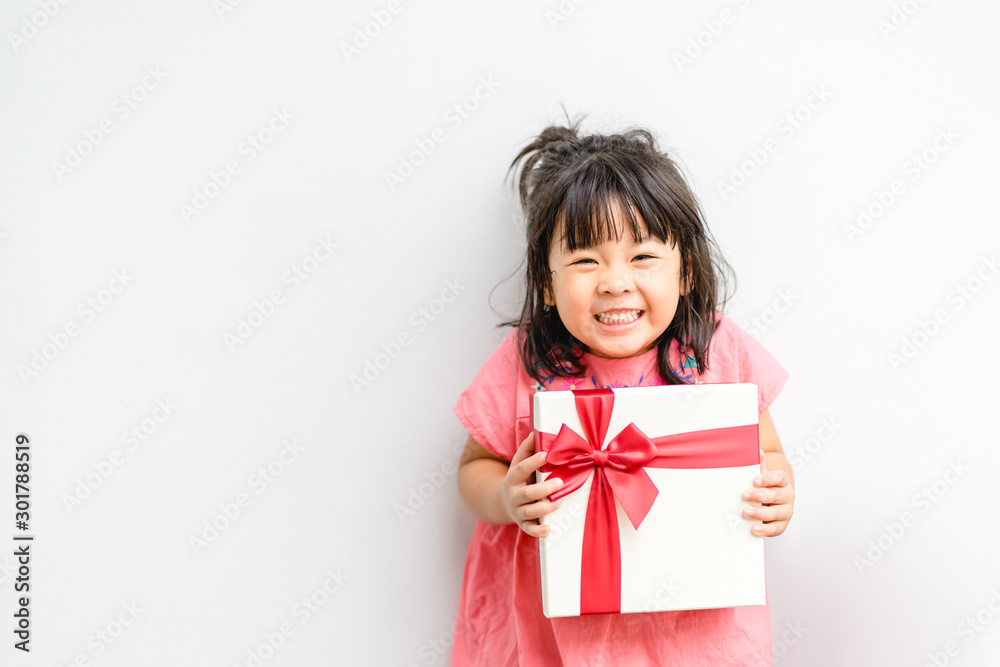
{"x":619,"y":318}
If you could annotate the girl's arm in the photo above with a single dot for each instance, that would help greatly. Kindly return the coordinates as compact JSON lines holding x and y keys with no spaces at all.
{"x":499,"y":494}
{"x":774,"y":487}
{"x":774,"y":454}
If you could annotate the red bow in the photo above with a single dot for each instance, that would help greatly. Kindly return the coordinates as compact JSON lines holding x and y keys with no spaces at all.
{"x":572,"y":458}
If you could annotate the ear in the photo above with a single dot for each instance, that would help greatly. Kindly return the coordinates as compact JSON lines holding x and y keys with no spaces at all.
{"x":549,"y":301}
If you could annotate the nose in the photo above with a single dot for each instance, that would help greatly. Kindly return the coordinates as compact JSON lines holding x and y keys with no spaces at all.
{"x":616,"y":279}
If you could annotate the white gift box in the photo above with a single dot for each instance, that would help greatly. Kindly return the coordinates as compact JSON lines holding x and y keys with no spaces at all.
{"x":693,"y":549}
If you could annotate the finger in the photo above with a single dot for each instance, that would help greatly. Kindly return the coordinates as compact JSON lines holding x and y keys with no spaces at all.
{"x":523,"y":471}
{"x":772,"y":529}
{"x":540,"y":509}
{"x":772,"y":495}
{"x":539,"y":490}
{"x":526,"y":453}
{"x":772,"y":478}
{"x":768,"y":513}
{"x":524,"y":450}
{"x":533,"y":528}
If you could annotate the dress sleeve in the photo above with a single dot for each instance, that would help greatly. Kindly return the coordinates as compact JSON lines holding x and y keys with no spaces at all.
{"x":487,"y":407}
{"x":756,"y":365}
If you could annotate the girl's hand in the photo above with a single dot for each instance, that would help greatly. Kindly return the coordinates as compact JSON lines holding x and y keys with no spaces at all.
{"x":774,"y":491}
{"x":525,"y":502}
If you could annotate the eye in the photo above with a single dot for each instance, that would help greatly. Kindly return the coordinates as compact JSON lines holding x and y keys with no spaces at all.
{"x":580,"y":261}
{"x":643,"y":256}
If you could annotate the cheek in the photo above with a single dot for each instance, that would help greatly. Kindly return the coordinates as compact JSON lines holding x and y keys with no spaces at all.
{"x":647,"y":276}
{"x":578,"y":294}
{"x":662,"y":288}
{"x":572,"y":302}
{"x":658,"y":281}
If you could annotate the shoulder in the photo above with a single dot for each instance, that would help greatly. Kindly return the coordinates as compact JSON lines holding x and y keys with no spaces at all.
{"x":488,"y":407}
{"x":506,"y":358}
{"x":726,"y":330}
{"x":732,"y":336}
{"x":736,"y":356}
{"x":738,"y":341}
{"x":729,"y":341}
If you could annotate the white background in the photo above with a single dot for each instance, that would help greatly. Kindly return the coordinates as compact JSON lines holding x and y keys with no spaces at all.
{"x":869,"y":434}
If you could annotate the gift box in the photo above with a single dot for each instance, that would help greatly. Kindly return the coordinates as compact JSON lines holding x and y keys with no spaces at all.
{"x":651,"y":515}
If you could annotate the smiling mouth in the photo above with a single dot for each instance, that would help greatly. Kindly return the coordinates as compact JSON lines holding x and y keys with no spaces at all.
{"x":619,"y":316}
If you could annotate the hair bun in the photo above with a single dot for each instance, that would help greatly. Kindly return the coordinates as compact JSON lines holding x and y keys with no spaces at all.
{"x":556,"y":133}
{"x":553,"y":141}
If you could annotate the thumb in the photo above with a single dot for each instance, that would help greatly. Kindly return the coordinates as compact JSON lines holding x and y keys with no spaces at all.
{"x":763,"y":465}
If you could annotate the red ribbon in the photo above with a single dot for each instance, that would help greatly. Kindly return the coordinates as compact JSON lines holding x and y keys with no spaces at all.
{"x":619,"y":473}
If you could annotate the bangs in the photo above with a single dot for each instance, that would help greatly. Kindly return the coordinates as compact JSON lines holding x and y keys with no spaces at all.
{"x":597,"y":194}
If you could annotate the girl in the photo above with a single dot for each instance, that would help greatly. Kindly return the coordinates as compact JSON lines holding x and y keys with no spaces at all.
{"x":621,"y":291}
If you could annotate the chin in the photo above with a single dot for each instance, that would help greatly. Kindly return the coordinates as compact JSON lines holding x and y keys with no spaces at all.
{"x":619,"y":353}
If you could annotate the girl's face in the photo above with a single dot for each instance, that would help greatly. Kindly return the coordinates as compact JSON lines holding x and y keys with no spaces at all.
{"x":619,"y":297}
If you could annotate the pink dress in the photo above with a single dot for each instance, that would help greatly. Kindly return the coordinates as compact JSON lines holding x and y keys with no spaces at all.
{"x":500,"y":621}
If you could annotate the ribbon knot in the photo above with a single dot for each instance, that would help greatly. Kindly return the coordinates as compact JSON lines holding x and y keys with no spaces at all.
{"x":618,"y":470}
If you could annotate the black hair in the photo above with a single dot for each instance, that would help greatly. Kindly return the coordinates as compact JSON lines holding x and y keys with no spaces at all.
{"x":575,"y":179}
